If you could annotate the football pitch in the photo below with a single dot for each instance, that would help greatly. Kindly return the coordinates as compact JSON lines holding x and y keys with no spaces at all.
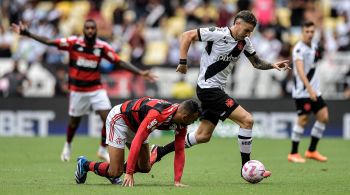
{"x":33,"y":166}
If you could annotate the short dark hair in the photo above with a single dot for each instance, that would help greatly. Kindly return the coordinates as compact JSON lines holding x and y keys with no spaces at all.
{"x":191,"y":106}
{"x":246,"y":16}
{"x":307,"y":24}
{"x":90,"y":20}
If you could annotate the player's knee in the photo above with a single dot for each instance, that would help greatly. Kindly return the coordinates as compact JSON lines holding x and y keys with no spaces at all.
{"x":115,"y":172}
{"x":145,"y":169}
{"x":203,"y":137}
{"x":248,"y":121}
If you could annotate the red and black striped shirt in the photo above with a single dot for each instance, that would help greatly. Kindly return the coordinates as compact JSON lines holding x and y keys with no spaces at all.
{"x":145,"y":115}
{"x":84,"y":62}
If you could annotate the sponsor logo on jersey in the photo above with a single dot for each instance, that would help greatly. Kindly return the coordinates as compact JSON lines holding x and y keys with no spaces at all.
{"x":227,"y":58}
{"x":152,"y":124}
{"x":97,"y":52}
{"x":86,"y":63}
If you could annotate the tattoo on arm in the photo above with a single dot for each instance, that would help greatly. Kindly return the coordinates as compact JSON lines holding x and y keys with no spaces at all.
{"x":129,"y":67}
{"x":259,"y":63}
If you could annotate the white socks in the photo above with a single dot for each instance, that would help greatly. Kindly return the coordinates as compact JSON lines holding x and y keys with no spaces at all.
{"x":190,"y":139}
{"x":318,"y":129}
{"x":245,"y":140}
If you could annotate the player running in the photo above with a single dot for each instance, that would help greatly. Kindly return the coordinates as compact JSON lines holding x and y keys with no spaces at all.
{"x":85,"y":54}
{"x":307,"y":95}
{"x":224,"y":47}
{"x":130,"y":124}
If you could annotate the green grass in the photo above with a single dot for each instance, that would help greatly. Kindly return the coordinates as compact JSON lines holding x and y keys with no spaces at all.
{"x":32,"y":166}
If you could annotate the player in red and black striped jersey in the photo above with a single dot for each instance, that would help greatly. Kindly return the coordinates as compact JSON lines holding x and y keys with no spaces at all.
{"x":85,"y":85}
{"x":130,"y":124}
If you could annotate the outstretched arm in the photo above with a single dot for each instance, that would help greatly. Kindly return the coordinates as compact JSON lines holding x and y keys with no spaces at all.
{"x":144,"y":73}
{"x":258,"y":63}
{"x":185,"y":42}
{"x":23,"y":30}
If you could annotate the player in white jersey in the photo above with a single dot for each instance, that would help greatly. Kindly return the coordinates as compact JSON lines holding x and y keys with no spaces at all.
{"x":224,"y":47}
{"x":307,"y":95}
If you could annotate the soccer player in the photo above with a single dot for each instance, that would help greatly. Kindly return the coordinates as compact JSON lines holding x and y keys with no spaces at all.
{"x":85,"y":86}
{"x":223,"y":49}
{"x":130,"y":124}
{"x":307,"y":95}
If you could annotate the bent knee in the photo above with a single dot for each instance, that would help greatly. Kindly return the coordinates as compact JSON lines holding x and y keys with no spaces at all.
{"x":203,"y":138}
{"x":115,"y":173}
{"x":248,"y":121}
{"x":145,"y":169}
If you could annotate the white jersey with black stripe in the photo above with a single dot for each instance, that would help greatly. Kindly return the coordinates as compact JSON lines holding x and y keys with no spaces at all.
{"x":309,"y":56}
{"x":220,"y":55}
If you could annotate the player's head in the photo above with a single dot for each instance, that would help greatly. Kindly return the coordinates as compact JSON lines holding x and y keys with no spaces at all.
{"x":308,"y":31}
{"x":188,"y":112}
{"x":90,"y":31}
{"x":243,"y":24}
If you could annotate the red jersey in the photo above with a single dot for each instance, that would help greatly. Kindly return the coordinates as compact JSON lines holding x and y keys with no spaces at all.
{"x":84,"y":62}
{"x":145,"y":115}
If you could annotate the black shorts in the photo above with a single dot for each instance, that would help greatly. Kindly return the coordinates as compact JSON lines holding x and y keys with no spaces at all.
{"x":306,"y":105}
{"x":216,"y":104}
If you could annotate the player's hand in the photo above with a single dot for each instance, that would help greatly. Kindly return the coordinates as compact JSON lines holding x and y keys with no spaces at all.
{"x":20,"y":29}
{"x":180,"y":185}
{"x":281,"y":65}
{"x":181,"y":68}
{"x":148,"y":75}
{"x":128,"y":180}
{"x":313,"y":95}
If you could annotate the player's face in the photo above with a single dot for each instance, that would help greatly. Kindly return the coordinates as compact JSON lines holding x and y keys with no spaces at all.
{"x":90,"y":30}
{"x":189,"y":119}
{"x":308,"y":34}
{"x":244,"y":29}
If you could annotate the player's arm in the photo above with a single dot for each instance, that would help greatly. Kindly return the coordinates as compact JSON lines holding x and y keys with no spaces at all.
{"x":150,"y":122}
{"x":110,"y":55}
{"x":179,"y":160}
{"x":303,"y":78}
{"x":261,"y":64}
{"x":185,"y":42}
{"x":23,"y":30}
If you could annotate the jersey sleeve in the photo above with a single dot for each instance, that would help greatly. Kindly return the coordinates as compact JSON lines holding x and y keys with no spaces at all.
{"x":65,"y":43}
{"x":297,"y":54}
{"x":210,"y":34}
{"x":150,"y":123}
{"x":249,"y":48}
{"x":179,"y":160}
{"x":109,"y":54}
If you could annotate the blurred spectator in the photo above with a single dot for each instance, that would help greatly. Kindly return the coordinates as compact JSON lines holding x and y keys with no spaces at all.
{"x":6,"y":39}
{"x":15,"y":80}
{"x":182,"y":89}
{"x":226,"y":11}
{"x":264,"y":11}
{"x":206,"y":13}
{"x":61,"y":86}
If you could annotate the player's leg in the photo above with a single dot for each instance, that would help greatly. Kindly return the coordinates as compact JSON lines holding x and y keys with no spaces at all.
{"x":201,"y":135}
{"x":102,"y":152}
{"x":318,"y":128}
{"x":245,"y":121}
{"x":143,"y":161}
{"x":73,"y":124}
{"x":78,"y":106}
{"x":297,"y":133}
{"x":101,"y":104}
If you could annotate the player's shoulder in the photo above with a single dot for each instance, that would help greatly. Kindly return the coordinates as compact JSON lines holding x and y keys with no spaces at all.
{"x":103,"y":44}
{"x":299,"y":47}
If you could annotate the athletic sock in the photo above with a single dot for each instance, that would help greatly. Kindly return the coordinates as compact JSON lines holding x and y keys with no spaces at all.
{"x":190,"y":139}
{"x":164,"y":150}
{"x":245,"y":144}
{"x":295,"y":145}
{"x":313,"y":144}
{"x":99,"y":168}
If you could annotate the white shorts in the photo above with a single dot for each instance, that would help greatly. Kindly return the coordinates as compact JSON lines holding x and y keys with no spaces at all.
{"x":117,"y":132}
{"x":80,"y":103}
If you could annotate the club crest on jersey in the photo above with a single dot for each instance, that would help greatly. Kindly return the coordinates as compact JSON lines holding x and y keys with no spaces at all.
{"x":80,"y":49}
{"x":97,"y":52}
{"x":229,"y":102}
{"x":240,"y":45}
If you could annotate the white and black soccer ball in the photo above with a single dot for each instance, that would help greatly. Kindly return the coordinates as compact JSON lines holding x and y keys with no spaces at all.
{"x":253,"y":171}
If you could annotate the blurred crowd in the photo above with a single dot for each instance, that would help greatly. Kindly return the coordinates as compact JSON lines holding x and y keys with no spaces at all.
{"x":146,"y":33}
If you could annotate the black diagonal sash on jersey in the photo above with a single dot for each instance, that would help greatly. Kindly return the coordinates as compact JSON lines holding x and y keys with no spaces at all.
{"x":310,"y":75}
{"x":220,"y":65}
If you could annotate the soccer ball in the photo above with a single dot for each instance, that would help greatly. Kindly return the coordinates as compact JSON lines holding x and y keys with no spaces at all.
{"x":253,"y":171}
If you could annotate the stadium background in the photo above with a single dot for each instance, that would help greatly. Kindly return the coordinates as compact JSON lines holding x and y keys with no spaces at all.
{"x":146,"y":33}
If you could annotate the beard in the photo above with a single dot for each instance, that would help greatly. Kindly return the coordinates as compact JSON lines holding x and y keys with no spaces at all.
{"x":90,"y":40}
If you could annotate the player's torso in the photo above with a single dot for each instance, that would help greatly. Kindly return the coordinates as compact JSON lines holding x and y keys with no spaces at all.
{"x":218,"y":59}
{"x":84,"y":73}
{"x":310,"y":59}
